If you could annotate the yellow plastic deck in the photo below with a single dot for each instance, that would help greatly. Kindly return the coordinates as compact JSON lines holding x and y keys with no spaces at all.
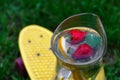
{"x":34,"y":44}
{"x":39,"y":61}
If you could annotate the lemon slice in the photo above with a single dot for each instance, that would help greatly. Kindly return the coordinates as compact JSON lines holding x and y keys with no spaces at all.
{"x":62,"y":45}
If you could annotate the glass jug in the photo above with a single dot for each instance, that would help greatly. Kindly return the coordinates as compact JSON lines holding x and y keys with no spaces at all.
{"x":79,"y":43}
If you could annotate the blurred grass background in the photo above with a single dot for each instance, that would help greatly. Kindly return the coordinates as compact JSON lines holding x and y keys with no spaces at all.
{"x":16,"y":14}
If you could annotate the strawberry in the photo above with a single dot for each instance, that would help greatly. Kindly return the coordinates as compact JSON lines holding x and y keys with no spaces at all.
{"x":76,"y":36}
{"x":82,"y":52}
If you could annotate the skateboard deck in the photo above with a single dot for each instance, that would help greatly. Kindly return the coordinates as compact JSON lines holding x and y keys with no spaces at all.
{"x":39,"y":61}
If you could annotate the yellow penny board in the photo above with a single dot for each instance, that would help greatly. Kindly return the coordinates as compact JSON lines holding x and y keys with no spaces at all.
{"x":39,"y":61}
{"x":34,"y":44}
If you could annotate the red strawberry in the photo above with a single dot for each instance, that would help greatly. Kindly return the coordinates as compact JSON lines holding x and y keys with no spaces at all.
{"x":83,"y":51}
{"x":76,"y":36}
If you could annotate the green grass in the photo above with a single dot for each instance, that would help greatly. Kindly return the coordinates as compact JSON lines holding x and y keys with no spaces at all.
{"x":14,"y":15}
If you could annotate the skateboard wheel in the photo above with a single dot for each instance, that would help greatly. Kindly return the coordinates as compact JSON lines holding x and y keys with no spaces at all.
{"x":20,"y":66}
